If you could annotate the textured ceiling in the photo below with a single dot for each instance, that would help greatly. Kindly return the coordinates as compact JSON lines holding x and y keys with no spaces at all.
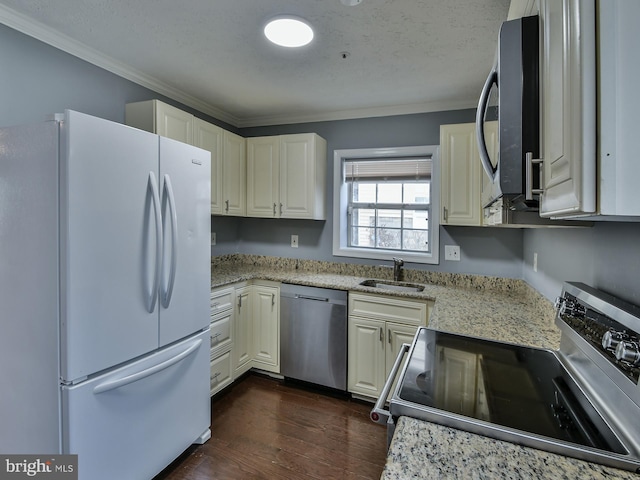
{"x":405,"y":56}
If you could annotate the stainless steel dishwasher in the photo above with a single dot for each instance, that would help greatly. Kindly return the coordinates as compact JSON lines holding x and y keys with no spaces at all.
{"x":313,"y":335}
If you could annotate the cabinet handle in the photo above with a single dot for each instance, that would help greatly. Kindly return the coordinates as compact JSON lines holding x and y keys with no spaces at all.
{"x":274,"y":209}
{"x":389,"y":336}
{"x":280,"y":209}
{"x":226,"y":206}
{"x":215,"y":375}
{"x":239,"y":301}
{"x":530,"y":191}
{"x":215,"y":336}
{"x":273,"y":299}
{"x":381,"y":335}
{"x":445,"y":213}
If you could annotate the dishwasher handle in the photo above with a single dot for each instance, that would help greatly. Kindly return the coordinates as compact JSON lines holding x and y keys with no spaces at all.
{"x":308,"y":297}
{"x":378,"y":413}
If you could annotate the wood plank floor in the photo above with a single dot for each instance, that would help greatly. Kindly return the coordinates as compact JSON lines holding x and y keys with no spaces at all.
{"x":264,"y":428}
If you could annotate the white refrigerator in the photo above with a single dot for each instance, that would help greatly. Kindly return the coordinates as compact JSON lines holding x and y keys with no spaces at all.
{"x":104,"y":295}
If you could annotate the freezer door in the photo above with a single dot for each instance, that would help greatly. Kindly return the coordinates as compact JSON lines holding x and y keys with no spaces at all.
{"x":133,"y":422}
{"x":108,"y":242}
{"x":185,"y":286}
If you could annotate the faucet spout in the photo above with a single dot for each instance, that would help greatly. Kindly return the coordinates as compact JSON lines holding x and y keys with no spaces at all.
{"x":397,"y":268}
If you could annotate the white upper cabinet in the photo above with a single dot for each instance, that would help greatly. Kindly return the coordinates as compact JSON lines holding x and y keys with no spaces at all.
{"x":228,"y":150}
{"x":263,"y":177}
{"x":234,"y":175}
{"x":568,"y":104}
{"x":286,"y":176}
{"x":209,"y":137}
{"x":462,"y":178}
{"x":158,"y":117}
{"x":589,"y":71}
{"x":303,"y":176}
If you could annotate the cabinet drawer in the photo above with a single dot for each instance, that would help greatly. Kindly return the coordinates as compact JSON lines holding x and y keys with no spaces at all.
{"x":221,"y":331}
{"x":381,"y":307}
{"x":221,"y":300}
{"x":221,"y":373}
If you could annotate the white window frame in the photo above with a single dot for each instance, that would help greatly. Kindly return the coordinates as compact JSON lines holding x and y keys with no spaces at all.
{"x":340,"y":201}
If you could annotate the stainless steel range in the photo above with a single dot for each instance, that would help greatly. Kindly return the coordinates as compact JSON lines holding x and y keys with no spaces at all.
{"x":582,"y":400}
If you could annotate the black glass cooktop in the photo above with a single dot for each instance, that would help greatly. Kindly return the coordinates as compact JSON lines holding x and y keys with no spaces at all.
{"x":518,"y":387}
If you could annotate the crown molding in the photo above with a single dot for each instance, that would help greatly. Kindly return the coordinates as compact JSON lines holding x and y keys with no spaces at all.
{"x":50,"y":36}
{"x":427,"y":107}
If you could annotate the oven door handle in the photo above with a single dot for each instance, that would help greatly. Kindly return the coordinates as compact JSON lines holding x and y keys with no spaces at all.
{"x":378,"y":413}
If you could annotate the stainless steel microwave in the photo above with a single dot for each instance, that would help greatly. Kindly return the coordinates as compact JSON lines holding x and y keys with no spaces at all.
{"x":516,"y":76}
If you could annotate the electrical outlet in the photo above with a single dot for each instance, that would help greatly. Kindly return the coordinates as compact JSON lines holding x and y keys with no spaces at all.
{"x":535,"y":261}
{"x":452,"y":252}
{"x":294,"y":241}
{"x":213,"y":238}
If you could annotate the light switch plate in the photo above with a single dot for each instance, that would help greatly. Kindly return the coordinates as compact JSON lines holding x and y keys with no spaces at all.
{"x":294,"y":241}
{"x":452,"y":252}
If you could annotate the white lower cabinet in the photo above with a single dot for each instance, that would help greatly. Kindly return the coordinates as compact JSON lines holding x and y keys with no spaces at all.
{"x":221,"y":372}
{"x":257,"y":327}
{"x":222,"y":320}
{"x":378,"y":326}
{"x":266,"y":327}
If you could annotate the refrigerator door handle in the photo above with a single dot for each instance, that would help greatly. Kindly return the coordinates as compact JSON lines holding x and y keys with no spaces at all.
{"x":152,"y":185}
{"x":167,"y":194}
{"x":121,"y":382}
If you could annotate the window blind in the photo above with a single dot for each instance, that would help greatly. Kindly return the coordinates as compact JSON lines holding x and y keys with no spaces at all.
{"x":387,"y":169}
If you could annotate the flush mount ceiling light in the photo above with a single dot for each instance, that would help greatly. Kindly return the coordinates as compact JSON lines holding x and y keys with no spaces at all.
{"x":288,"y":32}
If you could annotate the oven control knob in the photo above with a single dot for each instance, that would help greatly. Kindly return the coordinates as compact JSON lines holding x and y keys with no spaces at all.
{"x":611,"y":339}
{"x":628,"y":352}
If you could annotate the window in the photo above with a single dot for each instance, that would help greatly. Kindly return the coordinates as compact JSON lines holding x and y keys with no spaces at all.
{"x":386,"y":203}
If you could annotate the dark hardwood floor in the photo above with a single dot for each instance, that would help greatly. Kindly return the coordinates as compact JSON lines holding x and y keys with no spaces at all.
{"x":263,"y":428}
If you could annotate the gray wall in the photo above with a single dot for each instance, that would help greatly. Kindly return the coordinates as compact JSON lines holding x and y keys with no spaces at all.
{"x":605,"y":256}
{"x":37,"y":80}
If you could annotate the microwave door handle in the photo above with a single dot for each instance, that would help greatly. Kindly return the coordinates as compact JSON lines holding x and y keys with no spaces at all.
{"x":480,"y":115}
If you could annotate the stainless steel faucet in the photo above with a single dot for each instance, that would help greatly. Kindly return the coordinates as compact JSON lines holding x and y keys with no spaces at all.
{"x":397,"y":268}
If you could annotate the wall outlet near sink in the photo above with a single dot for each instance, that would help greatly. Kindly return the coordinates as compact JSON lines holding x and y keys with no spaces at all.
{"x":294,"y":241}
{"x":452,"y":252}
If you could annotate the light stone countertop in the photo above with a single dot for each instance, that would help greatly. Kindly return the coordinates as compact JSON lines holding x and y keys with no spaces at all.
{"x":489,"y":307}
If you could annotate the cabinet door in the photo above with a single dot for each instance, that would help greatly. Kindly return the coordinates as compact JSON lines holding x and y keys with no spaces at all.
{"x":221,"y":373}
{"x":460,"y":181}
{"x":297,"y":175}
{"x":396,"y":334}
{"x":263,"y":166}
{"x":242,"y":345}
{"x":366,"y":356}
{"x":209,"y":137}
{"x":173,"y":123}
{"x":568,"y":91}
{"x":234,"y":174}
{"x":266,"y":328}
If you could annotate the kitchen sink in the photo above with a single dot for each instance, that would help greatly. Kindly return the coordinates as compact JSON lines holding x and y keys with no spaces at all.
{"x":390,"y":285}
